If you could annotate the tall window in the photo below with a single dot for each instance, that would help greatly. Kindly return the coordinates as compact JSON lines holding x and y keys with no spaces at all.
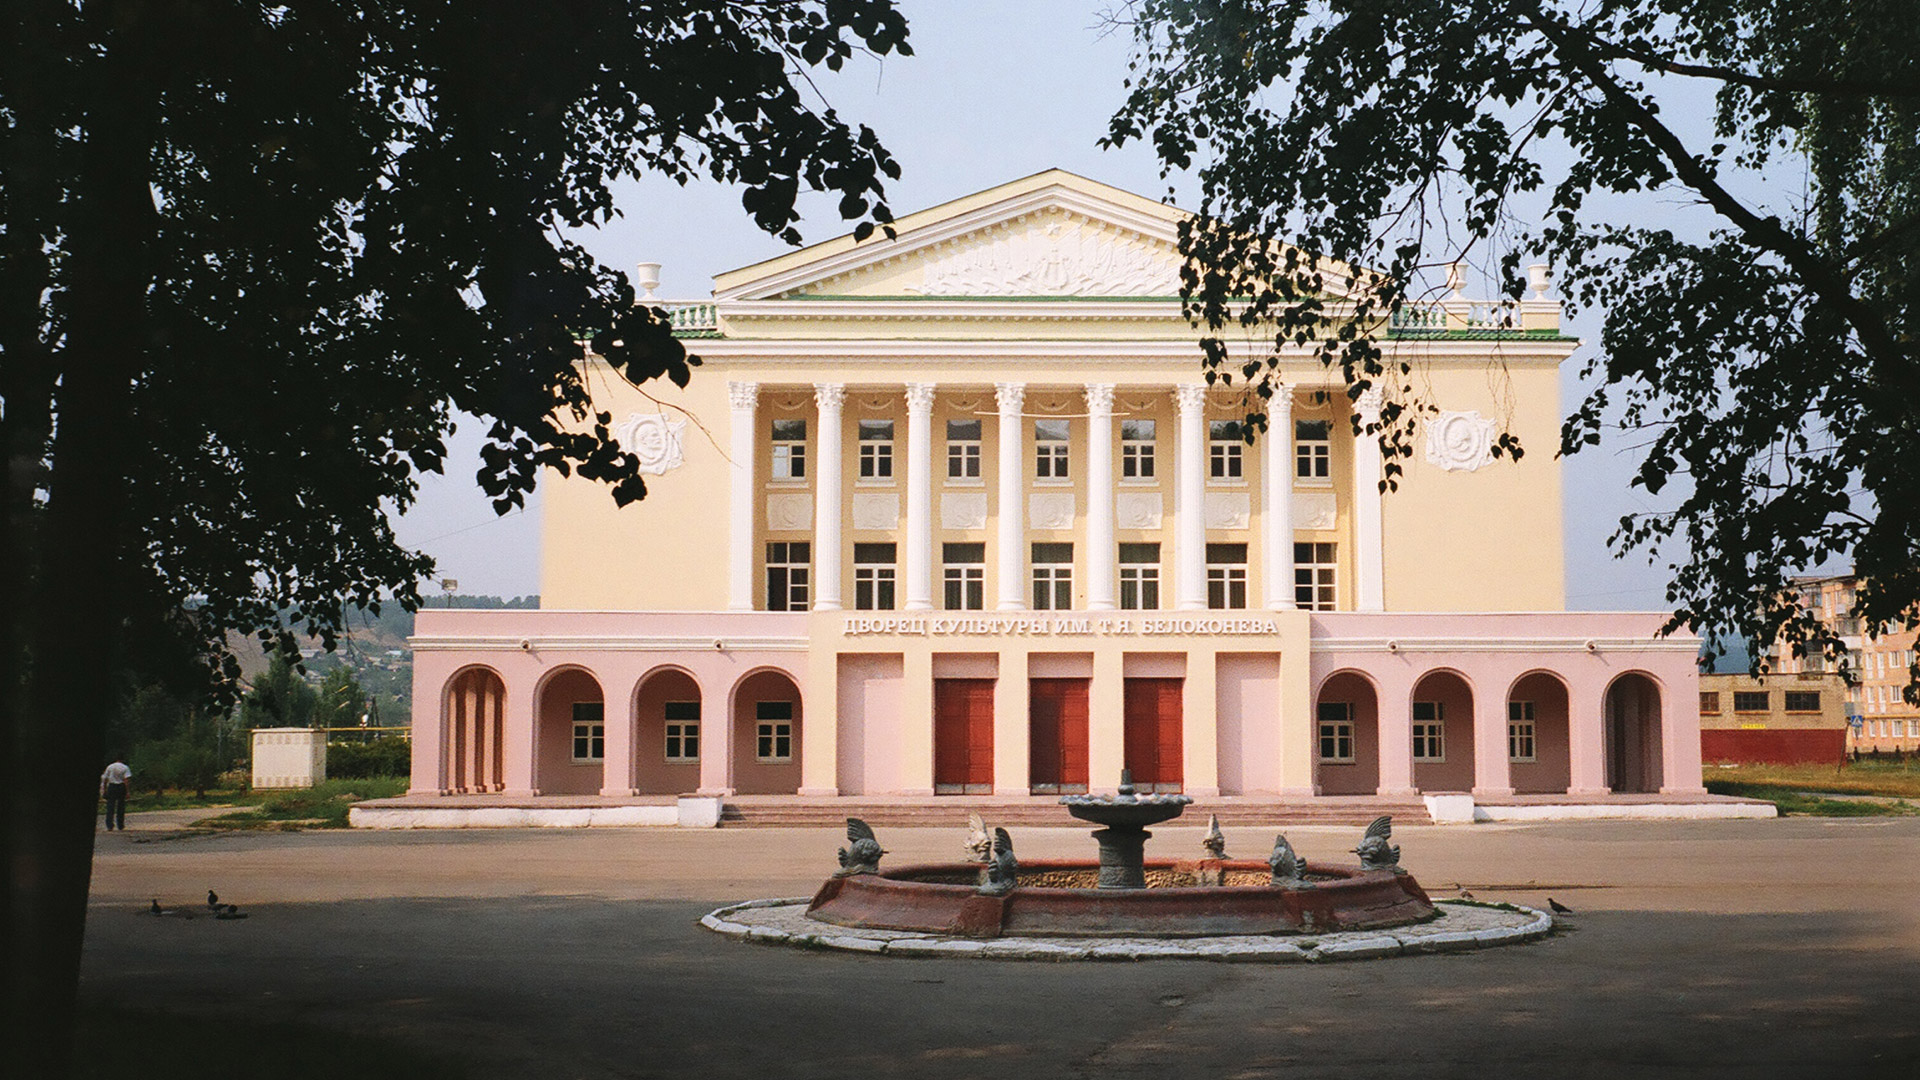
{"x":1336,"y":731}
{"x":1140,"y":577}
{"x":963,"y":449}
{"x":773,"y":731}
{"x":873,"y":577}
{"x":1226,"y":575}
{"x":1052,"y":577}
{"x":1429,"y":731}
{"x":965,"y":574}
{"x":1050,"y":449}
{"x":789,"y":449}
{"x":683,"y":731}
{"x":1313,"y":449}
{"x":1520,"y":744}
{"x":876,"y":449}
{"x":1224,"y":448}
{"x":1136,"y":449}
{"x":589,"y":731}
{"x":787,"y":576}
{"x":1313,"y":576}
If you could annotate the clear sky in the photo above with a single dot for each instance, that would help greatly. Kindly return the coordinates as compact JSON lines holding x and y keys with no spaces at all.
{"x":995,"y":90}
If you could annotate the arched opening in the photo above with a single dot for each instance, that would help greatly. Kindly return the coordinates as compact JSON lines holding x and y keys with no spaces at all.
{"x":766,"y":735}
{"x":1346,"y":735}
{"x":570,"y":737}
{"x":1538,"y":744}
{"x":1633,"y":734}
{"x":1442,"y":733}
{"x":667,"y":712}
{"x":475,"y":732}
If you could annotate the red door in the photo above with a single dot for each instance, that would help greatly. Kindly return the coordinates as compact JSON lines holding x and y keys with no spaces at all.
{"x":1057,"y":751}
{"x":1152,"y":710}
{"x":963,"y":736}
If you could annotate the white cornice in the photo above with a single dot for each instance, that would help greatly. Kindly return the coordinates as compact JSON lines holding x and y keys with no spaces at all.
{"x":777,"y":351}
{"x":1503,"y":644}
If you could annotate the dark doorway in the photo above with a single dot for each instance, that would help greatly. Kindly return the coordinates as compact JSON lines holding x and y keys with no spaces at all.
{"x":1153,"y":733}
{"x":963,"y":736}
{"x":1057,"y":754}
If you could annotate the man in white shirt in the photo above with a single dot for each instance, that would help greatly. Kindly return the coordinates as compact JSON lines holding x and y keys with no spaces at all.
{"x":113,"y":787}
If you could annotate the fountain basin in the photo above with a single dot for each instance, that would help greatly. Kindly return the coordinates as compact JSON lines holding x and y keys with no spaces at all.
{"x":1057,"y":898}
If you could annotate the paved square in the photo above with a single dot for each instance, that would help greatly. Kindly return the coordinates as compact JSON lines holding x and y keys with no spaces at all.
{"x":1750,"y":949}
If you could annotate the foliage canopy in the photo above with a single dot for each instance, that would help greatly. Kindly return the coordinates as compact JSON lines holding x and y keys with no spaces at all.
{"x":1763,"y":347}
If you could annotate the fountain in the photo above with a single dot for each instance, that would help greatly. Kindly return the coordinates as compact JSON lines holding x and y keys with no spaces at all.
{"x":1124,"y":894}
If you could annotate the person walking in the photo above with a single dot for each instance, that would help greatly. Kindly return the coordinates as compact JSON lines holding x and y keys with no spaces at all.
{"x":113,"y":787}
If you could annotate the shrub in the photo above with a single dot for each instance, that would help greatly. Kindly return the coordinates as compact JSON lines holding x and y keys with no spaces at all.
{"x":388,"y":755}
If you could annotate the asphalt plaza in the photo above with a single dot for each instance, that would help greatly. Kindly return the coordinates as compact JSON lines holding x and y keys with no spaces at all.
{"x":1738,"y":948}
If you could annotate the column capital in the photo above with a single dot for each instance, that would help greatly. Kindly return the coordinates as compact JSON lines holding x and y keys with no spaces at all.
{"x":1369,"y":402}
{"x":743,"y":395}
{"x":1190,"y":397}
{"x":1011,"y":396}
{"x":1100,"y":398}
{"x":829,"y":395}
{"x":920,"y":396}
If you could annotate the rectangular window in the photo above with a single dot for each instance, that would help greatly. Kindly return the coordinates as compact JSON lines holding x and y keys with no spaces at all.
{"x":873,"y":577}
{"x":1050,"y":449}
{"x":1136,"y":449}
{"x":1224,"y":449}
{"x":1803,"y":700}
{"x":1750,"y":701}
{"x":1052,"y":577}
{"x":1313,"y":449}
{"x":1429,"y":731}
{"x":683,"y":731}
{"x":787,"y":576}
{"x":1336,"y":731}
{"x":1520,"y":744}
{"x":789,"y":449}
{"x":876,"y":449}
{"x":1709,"y":703}
{"x":1899,"y":729}
{"x":1140,"y":577}
{"x":589,"y":731}
{"x":1313,"y":576}
{"x":965,"y":576}
{"x":963,"y":449}
{"x":1226,"y":576}
{"x":773,"y":733}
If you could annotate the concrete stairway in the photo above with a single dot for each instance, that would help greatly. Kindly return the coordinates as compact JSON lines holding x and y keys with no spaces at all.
{"x":951,"y":812}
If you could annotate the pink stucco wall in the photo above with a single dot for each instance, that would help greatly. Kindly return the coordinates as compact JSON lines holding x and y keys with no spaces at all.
{"x":1247,"y":688}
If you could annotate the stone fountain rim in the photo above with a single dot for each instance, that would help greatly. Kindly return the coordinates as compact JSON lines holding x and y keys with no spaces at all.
{"x":1506,"y":924}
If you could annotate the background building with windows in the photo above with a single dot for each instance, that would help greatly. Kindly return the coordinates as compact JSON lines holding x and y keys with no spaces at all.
{"x":955,"y":514}
{"x":1776,"y":719}
{"x":1880,"y":663}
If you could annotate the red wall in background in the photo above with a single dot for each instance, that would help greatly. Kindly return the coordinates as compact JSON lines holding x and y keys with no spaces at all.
{"x":1791,"y":746}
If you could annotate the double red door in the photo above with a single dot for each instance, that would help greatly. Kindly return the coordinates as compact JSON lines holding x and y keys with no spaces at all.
{"x":1057,"y":748}
{"x":963,"y":736}
{"x":1152,"y":709}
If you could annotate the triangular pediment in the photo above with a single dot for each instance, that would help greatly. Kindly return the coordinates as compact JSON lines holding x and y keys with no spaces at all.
{"x":1050,"y":235}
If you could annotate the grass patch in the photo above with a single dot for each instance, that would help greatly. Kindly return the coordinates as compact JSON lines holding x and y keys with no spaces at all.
{"x":1792,"y":801}
{"x":168,"y":1046}
{"x":1897,"y":780}
{"x":321,"y":807}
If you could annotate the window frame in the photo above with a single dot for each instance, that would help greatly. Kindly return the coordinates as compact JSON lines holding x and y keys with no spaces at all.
{"x":1138,"y":575}
{"x":1226,"y":578}
{"x":675,"y":742}
{"x":1226,"y":454}
{"x":800,"y":586}
{"x":787,"y":462}
{"x":1312,"y":457}
{"x":875,"y":467}
{"x":1522,"y":731}
{"x":875,"y":580}
{"x":1743,"y":701}
{"x":1432,"y":730}
{"x":1787,"y":701}
{"x":1052,"y":578}
{"x":1137,"y":455}
{"x":1709,"y":703}
{"x":964,"y":454}
{"x":1320,"y":589}
{"x":589,"y":727}
{"x":1337,"y":727}
{"x":968,"y":576}
{"x":1052,"y":455}
{"x":771,"y":732}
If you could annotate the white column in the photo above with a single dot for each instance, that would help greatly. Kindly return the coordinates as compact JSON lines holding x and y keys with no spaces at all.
{"x":829,"y":496}
{"x":1369,"y":573}
{"x":919,"y":496}
{"x":1277,"y":545}
{"x":1189,"y":499}
{"x":1102,"y":593}
{"x":743,"y":396}
{"x":1012,"y":517}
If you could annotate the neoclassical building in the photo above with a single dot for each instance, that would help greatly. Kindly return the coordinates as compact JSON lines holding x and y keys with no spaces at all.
{"x":955,"y":514}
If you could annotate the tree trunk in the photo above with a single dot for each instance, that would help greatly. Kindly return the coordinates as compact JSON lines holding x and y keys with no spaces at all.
{"x":74,"y":620}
